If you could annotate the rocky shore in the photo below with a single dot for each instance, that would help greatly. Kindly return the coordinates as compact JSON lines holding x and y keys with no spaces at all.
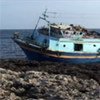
{"x":24,"y":80}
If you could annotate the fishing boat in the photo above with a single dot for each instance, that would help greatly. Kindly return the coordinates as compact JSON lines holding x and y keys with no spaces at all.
{"x":60,"y":43}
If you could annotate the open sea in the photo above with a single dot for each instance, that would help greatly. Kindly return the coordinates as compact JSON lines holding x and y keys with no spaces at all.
{"x":9,"y":49}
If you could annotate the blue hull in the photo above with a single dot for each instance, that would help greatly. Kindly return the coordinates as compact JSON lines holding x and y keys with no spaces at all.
{"x":41,"y":57}
{"x":34,"y":53}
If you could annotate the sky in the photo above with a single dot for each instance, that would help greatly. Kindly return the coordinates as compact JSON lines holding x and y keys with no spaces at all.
{"x":23,"y":14}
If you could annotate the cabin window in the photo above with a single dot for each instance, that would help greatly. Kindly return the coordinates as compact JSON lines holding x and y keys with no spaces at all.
{"x":94,"y":45}
{"x":64,"y":45}
{"x":78,"y":47}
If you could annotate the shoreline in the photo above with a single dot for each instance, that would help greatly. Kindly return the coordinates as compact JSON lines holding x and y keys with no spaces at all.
{"x":28,"y":80}
{"x":22,"y":64}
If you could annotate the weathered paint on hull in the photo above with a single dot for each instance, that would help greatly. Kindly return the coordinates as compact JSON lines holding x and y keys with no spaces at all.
{"x":36,"y":54}
{"x":41,"y":57}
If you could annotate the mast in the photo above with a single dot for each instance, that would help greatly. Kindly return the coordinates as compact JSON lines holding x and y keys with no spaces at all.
{"x":43,"y":18}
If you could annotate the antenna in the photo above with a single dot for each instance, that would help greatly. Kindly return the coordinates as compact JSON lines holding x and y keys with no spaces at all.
{"x":44,"y":14}
{"x":52,"y":12}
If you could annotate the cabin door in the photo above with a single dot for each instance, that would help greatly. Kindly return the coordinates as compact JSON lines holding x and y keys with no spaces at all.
{"x":78,"y":47}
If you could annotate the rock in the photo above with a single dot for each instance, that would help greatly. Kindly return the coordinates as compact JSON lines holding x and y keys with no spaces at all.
{"x":34,"y":82}
{"x":65,"y":80}
{"x":57,"y":97}
{"x":3,"y":93}
{"x":48,"y":81}
{"x":0,"y":76}
{"x":14,"y":97}
{"x":2,"y":70}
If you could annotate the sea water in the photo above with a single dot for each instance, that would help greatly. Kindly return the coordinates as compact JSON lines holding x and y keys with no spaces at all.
{"x":8,"y":48}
